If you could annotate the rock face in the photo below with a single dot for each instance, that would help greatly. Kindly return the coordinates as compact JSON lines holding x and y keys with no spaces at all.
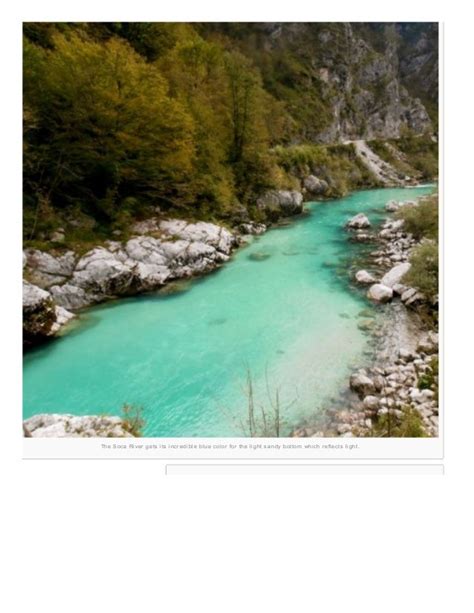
{"x":358,"y":221}
{"x":380,"y":293}
{"x":74,"y":426}
{"x":280,"y":203}
{"x":42,"y":318}
{"x":369,"y":77}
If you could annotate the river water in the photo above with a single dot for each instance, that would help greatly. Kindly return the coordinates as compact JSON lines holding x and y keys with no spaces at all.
{"x":282,"y":310}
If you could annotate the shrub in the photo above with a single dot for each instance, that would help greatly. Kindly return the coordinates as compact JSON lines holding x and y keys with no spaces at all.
{"x":409,"y":425}
{"x":423,"y":273}
{"x":429,"y":379}
{"x":132,"y":417}
{"x":421,"y":220}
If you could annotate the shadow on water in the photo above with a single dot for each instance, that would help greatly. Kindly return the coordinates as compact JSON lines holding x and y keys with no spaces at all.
{"x":258,"y":256}
{"x":218,"y":321}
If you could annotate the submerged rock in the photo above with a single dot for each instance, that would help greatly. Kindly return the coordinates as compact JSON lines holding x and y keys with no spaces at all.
{"x":259,"y":256}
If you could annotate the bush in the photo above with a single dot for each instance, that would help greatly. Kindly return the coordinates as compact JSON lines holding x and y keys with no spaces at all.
{"x":132,"y":417}
{"x":429,"y":379}
{"x":421,"y":220}
{"x":421,"y":153}
{"x":423,"y":273}
{"x":338,"y":165}
{"x":409,"y":425}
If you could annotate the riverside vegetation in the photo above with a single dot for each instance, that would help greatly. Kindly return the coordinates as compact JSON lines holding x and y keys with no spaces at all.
{"x":151,"y":151}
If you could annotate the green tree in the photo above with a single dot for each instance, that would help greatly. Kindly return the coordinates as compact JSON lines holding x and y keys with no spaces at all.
{"x":104,"y":127}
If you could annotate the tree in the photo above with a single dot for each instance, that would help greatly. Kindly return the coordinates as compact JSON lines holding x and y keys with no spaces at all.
{"x":105,"y":127}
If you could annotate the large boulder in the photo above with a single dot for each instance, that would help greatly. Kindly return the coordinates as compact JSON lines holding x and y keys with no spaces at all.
{"x":361,"y":384}
{"x":315,"y":186}
{"x":395,"y":275}
{"x":362,"y":276}
{"x":380,"y":293}
{"x":358,"y":221}
{"x":42,"y":317}
{"x":280,"y":203}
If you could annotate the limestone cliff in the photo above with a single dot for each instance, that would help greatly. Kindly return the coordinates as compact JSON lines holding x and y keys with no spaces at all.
{"x":343,"y":81}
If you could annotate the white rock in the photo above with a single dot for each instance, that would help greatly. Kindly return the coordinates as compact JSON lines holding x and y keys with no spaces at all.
{"x":371,"y":403}
{"x":361,"y":384}
{"x":45,"y":269}
{"x":72,"y":297}
{"x":65,"y":425}
{"x":63,"y":316}
{"x":362,"y":276}
{"x":358,"y":221}
{"x":395,"y":275}
{"x":380,"y":293}
{"x":32,"y":295}
{"x":392,"y":206}
{"x":408,"y":293}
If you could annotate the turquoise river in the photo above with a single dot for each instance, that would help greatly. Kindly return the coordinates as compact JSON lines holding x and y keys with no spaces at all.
{"x":283,"y":309}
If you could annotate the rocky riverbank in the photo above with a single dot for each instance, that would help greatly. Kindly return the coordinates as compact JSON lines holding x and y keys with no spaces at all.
{"x":58,"y":284}
{"x":74,"y":426}
{"x":397,"y":395}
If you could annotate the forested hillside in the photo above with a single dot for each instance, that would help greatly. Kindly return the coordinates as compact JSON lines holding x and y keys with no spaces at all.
{"x":200,"y":120}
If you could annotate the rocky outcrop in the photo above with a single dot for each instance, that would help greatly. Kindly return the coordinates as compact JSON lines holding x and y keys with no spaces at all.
{"x":143,"y":263}
{"x":357,"y":222}
{"x":355,"y":70}
{"x":74,"y":426}
{"x":42,"y":318}
{"x":280,"y":203}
